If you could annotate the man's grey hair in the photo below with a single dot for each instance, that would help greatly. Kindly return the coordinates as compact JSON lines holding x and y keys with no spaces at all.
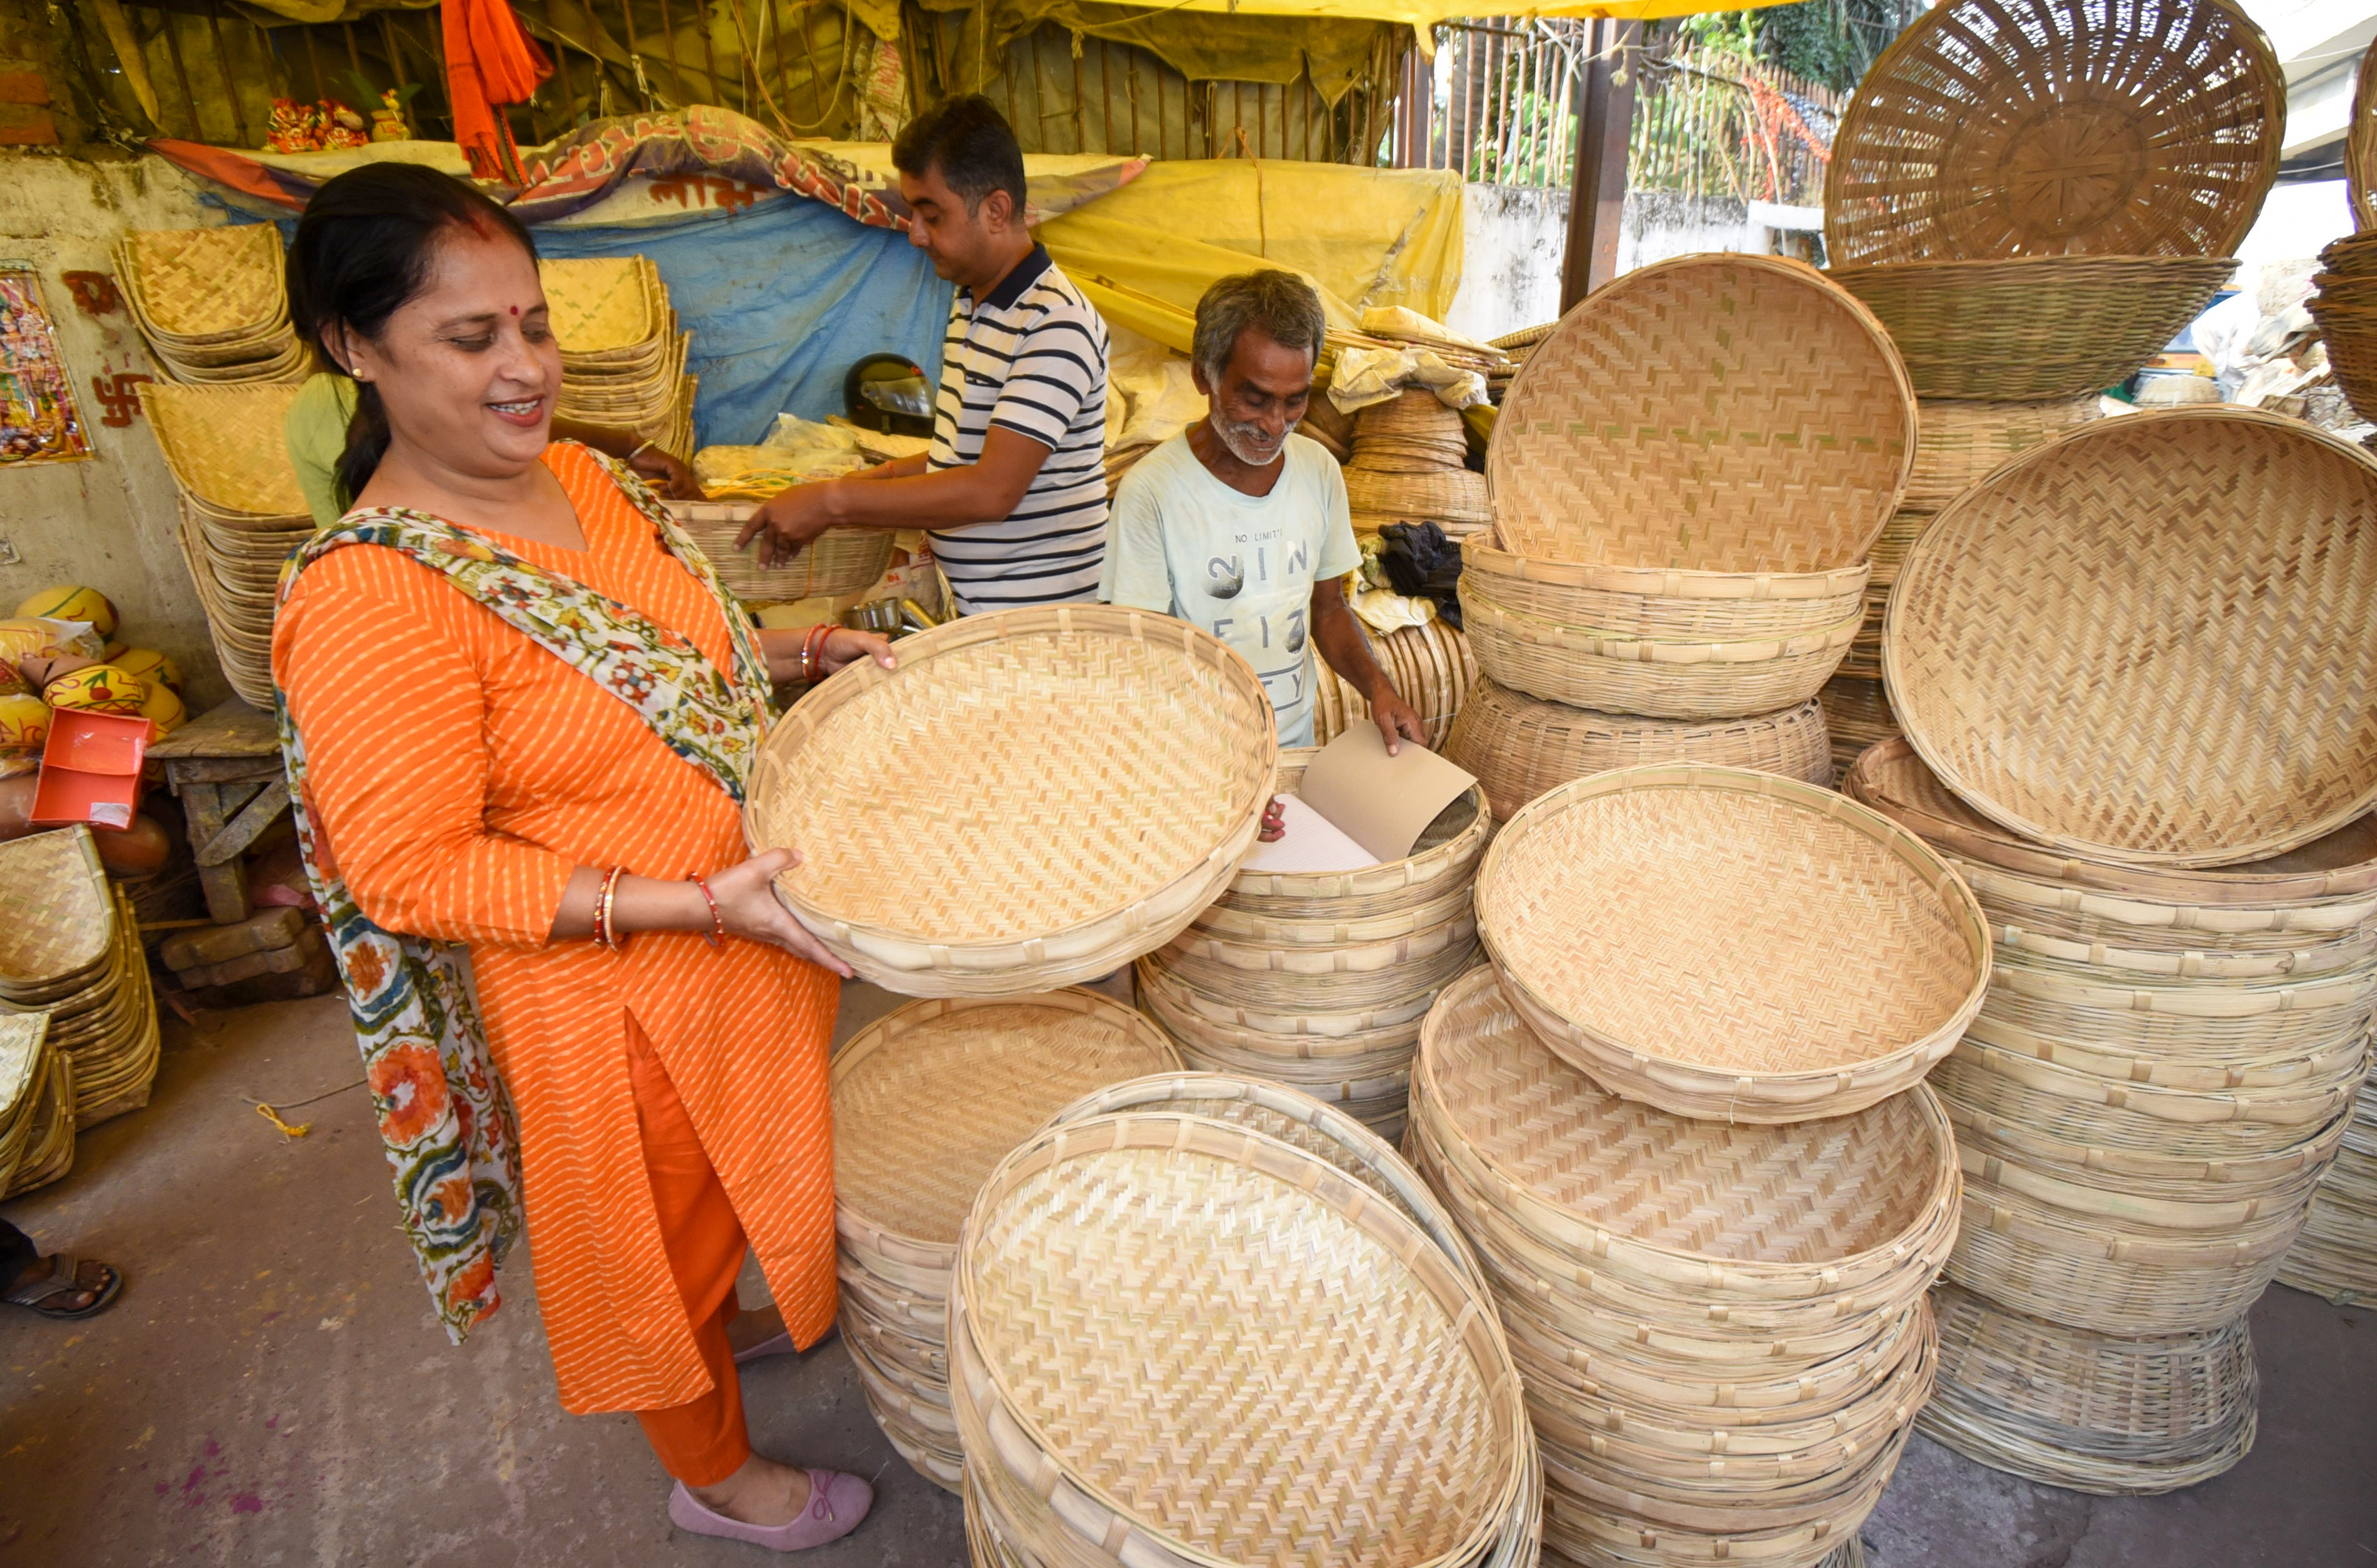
{"x":1280,"y":305}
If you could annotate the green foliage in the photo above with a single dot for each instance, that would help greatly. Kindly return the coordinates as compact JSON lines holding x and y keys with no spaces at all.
{"x":1830,"y":41}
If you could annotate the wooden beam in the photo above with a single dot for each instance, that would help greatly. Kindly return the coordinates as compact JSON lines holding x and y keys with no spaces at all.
{"x":1605,"y":114}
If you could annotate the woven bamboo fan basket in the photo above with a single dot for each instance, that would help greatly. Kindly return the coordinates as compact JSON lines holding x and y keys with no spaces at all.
{"x":1520,"y":746}
{"x":193,"y":285}
{"x":600,"y":303}
{"x":838,"y":560}
{"x":1091,"y":777}
{"x":2093,"y":1413}
{"x":2058,"y":128}
{"x":2034,"y":657}
{"x":1584,"y":667}
{"x":62,"y":924}
{"x":1716,"y":413}
{"x":226,"y":446}
{"x":2033,"y":328}
{"x":1125,"y":1276}
{"x":1708,"y":607}
{"x":1732,"y":945}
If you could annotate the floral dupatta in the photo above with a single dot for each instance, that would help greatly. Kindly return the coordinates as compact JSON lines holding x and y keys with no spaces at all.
{"x":442,"y":1110}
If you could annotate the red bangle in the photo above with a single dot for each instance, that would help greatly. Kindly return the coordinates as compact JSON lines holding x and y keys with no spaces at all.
{"x":717,"y":921}
{"x":813,"y":653}
{"x":605,"y":936}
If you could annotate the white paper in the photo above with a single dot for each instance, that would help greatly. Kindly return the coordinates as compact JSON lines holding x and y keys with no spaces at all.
{"x":1311,"y":843}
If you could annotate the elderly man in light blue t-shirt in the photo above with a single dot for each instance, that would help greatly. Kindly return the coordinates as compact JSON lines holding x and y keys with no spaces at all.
{"x":1239,"y":525}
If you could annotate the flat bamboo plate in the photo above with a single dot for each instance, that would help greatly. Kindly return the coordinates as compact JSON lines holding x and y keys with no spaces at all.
{"x":226,"y":445}
{"x":1033,"y":798}
{"x":206,"y":283}
{"x":61,"y":921}
{"x":2147,"y":641}
{"x":1732,"y":945}
{"x":1199,"y":1345}
{"x":1730,"y":413}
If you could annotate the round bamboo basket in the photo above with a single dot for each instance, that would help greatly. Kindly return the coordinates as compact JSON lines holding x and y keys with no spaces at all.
{"x":838,"y":560}
{"x":2033,"y":328}
{"x":2361,"y":147}
{"x":2250,"y":531}
{"x":1383,"y":975}
{"x":1584,"y":667}
{"x":2335,"y":1256}
{"x":2116,"y":1417}
{"x":1126,"y":1276}
{"x":1959,"y":442}
{"x":1995,"y":128}
{"x":1453,"y":498}
{"x":1731,"y":945}
{"x":1718,"y":606}
{"x":1734,"y":413}
{"x":1444,"y":857}
{"x":926,"y":1101}
{"x":1520,"y":746}
{"x":1091,"y":777}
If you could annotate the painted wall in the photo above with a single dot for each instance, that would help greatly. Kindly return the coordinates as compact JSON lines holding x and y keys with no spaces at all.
{"x":108,"y":523}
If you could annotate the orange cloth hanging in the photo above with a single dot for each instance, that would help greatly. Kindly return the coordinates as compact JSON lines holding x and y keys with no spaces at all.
{"x":490,"y":61}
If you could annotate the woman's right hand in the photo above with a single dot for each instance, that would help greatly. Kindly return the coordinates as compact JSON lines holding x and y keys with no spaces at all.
{"x":749,"y":908}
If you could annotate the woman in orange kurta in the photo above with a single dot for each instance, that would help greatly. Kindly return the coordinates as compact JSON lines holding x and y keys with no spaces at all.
{"x":468,"y":786}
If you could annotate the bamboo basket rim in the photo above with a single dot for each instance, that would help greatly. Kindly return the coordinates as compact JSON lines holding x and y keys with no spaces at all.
{"x":1122,"y":1529}
{"x":2282,"y":820}
{"x":1629,"y":649}
{"x":1315,"y":1023}
{"x":1799,"y":1093}
{"x":1482,"y":554}
{"x":1224,"y":926}
{"x":1180,"y":1018}
{"x":1428,"y":862}
{"x":1083,"y":947}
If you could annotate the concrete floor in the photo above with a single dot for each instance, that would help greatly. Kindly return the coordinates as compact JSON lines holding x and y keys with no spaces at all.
{"x":272,"y":1389}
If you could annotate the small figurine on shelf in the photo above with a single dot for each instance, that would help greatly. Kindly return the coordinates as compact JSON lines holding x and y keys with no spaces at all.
{"x":387,"y":120}
{"x":295,"y":128}
{"x":341,"y":127}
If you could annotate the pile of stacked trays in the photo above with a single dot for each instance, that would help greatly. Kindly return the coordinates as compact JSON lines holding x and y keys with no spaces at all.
{"x":71,"y":950}
{"x":212,"y":304}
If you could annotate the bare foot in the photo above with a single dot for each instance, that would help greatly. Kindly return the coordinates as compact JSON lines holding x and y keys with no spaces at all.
{"x":754,"y":1326}
{"x":761,"y":1492}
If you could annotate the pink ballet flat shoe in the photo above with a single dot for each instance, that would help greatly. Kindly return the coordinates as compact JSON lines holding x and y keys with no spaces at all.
{"x":837,"y":1503}
{"x":781,"y":1344}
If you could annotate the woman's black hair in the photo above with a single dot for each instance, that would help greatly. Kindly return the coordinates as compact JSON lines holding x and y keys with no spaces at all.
{"x":364,"y":247}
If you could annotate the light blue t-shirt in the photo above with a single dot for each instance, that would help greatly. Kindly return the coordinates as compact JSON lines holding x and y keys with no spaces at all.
{"x":1242,"y":566}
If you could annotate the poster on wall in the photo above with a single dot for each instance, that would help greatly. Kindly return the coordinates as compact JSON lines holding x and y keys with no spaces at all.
{"x":39,"y":421}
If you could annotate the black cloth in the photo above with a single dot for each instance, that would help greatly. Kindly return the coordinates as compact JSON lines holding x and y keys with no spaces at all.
{"x":18,"y":1253}
{"x":1420,"y":562}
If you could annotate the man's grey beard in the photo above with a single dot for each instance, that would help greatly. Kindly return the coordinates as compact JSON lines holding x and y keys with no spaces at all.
{"x":1247,"y":443}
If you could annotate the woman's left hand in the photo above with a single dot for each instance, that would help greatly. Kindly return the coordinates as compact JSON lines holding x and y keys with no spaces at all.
{"x":844,"y":645}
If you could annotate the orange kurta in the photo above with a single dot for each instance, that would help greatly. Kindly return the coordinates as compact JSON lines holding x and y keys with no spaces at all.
{"x":460,"y":773}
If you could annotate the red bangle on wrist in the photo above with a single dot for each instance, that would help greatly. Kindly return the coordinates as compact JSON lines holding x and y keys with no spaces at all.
{"x":813,"y":653}
{"x":717,"y":921}
{"x":606,"y":936}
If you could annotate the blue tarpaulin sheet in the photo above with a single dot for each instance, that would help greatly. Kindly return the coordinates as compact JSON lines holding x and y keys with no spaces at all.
{"x":782,"y":299}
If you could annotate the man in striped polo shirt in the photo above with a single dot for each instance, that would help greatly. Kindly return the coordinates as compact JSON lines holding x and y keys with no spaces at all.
{"x":1013,"y":490}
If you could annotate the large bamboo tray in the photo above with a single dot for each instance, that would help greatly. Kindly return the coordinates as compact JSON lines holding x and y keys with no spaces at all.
{"x":2029,"y":328}
{"x":1033,"y":798}
{"x":1731,"y":945}
{"x":1126,"y":1277}
{"x":1729,"y":414}
{"x":2104,"y":646}
{"x":2116,"y":1417}
{"x":2058,"y":128}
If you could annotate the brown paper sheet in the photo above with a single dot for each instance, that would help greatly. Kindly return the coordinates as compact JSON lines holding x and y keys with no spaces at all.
{"x":1382,"y":802}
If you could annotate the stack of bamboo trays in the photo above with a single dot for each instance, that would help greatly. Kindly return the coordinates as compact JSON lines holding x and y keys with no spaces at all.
{"x":622,"y":356}
{"x":1185,"y":1328}
{"x":1320,"y":979}
{"x":2335,"y":1256}
{"x":1408,"y":465}
{"x":1432,"y":670}
{"x":212,"y":304}
{"x":1608,"y":630}
{"x":1684,"y":1125}
{"x":37,"y":1124}
{"x":72,"y":950}
{"x":2180,"y":877}
{"x":1956,"y":446}
{"x":242,"y":513}
{"x":926,"y":1101}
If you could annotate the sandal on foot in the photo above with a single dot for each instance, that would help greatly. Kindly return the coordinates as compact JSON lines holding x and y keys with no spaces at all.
{"x":837,"y":1503}
{"x":781,"y":1344}
{"x":64,"y":1278}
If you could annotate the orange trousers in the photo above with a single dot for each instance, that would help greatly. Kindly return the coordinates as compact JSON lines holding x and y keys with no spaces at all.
{"x":706,"y":1441}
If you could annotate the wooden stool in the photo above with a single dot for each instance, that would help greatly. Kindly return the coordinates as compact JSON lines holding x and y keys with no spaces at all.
{"x":225,"y":767}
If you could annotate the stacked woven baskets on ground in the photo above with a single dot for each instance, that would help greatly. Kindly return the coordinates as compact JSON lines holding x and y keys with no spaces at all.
{"x":2183,"y":906}
{"x":1203,"y":1320}
{"x":2035,"y":196}
{"x":212,"y":304}
{"x":242,"y":513}
{"x":1320,"y":979}
{"x":926,"y":1102}
{"x":2335,"y":1256}
{"x":1431,"y":667}
{"x":37,"y":1126}
{"x":71,"y":950}
{"x":1708,"y":583}
{"x":1682,"y":1122}
{"x":1957,"y":443}
{"x":1407,"y":466}
{"x":622,"y":356}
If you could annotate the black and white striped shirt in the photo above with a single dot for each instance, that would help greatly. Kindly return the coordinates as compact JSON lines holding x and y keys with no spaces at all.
{"x":1029,"y":356}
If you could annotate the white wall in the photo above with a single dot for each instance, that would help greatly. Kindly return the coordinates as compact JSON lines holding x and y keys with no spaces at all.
{"x":109,"y":523}
{"x":2298,"y":221}
{"x":1514,"y":240}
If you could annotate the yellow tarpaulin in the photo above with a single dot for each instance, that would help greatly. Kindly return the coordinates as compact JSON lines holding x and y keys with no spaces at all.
{"x":1364,"y":236}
